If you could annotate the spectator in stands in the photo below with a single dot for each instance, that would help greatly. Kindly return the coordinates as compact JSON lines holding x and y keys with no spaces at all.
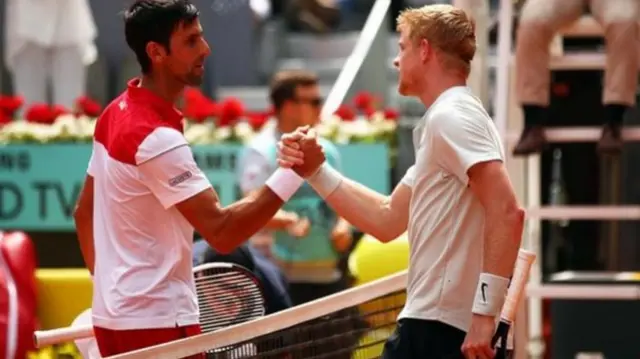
{"x":539,"y":22}
{"x":49,"y":43}
{"x":310,"y":263}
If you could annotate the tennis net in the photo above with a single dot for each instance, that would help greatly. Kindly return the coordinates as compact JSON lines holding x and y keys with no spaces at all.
{"x":357,"y":332}
{"x":353,"y":324}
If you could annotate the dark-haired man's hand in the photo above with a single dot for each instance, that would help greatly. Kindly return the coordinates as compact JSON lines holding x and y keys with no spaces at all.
{"x":301,"y":151}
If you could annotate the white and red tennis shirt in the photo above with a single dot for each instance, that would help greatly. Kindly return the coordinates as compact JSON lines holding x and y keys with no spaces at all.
{"x":142,"y":166}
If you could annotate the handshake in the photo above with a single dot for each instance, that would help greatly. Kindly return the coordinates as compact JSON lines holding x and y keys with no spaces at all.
{"x":300,"y":151}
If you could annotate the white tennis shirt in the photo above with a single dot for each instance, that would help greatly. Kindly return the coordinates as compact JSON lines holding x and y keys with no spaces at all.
{"x":446,"y":220}
{"x":142,"y":166}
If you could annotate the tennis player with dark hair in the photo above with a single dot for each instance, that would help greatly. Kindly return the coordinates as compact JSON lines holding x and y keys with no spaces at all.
{"x":457,"y":201}
{"x":144,"y":194}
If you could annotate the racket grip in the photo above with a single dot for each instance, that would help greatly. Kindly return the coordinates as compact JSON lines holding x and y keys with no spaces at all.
{"x":517,"y":285}
{"x":516,"y":289}
{"x":501,"y":335}
{"x":501,"y":332}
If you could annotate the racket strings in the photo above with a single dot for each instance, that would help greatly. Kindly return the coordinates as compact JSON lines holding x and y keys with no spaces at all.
{"x":227,"y":296}
{"x":214,"y":319}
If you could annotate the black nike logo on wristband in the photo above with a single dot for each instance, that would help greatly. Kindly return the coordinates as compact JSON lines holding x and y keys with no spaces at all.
{"x":484,"y":286}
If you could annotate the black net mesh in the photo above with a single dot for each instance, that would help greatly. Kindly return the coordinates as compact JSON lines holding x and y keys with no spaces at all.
{"x":357,"y":332}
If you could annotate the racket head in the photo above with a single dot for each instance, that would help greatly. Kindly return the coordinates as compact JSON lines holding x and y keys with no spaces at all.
{"x":228,"y":294}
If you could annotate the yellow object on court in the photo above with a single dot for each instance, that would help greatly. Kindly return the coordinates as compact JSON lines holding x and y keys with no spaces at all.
{"x":62,"y":295}
{"x":372,"y":259}
{"x":372,"y":343}
{"x":369,"y":261}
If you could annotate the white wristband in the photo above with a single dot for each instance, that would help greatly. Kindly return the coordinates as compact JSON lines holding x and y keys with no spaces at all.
{"x":284,"y":182}
{"x":490,"y":294}
{"x":325,"y":180}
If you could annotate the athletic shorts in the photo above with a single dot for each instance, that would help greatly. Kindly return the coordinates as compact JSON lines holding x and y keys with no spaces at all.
{"x":113,"y":342}
{"x":424,"y":339}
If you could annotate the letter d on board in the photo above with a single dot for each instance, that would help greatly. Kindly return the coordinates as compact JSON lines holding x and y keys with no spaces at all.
{"x":11,"y":201}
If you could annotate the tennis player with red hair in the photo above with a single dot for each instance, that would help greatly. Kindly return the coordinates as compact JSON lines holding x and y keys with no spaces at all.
{"x":457,"y":202}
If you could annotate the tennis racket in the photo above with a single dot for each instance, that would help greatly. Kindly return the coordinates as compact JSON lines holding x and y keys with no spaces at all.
{"x":514,"y":294}
{"x":227,"y":294}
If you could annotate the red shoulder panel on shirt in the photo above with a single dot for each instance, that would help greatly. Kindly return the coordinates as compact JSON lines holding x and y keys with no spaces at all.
{"x":125,"y":124}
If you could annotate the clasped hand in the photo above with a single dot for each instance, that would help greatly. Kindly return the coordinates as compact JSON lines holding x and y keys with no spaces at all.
{"x":300,"y":151}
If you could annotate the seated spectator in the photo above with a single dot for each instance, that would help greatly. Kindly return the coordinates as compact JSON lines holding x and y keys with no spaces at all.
{"x":539,"y":22}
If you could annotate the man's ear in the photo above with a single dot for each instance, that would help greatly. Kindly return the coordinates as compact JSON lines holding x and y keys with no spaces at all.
{"x":425,"y":50}
{"x":156,"y":52}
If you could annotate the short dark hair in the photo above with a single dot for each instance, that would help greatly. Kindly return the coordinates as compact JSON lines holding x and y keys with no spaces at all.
{"x":285,"y":83}
{"x":154,"y":21}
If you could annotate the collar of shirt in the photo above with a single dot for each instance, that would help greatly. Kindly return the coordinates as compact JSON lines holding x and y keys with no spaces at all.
{"x":168,"y":111}
{"x":271,"y":131}
{"x":277,"y":134}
